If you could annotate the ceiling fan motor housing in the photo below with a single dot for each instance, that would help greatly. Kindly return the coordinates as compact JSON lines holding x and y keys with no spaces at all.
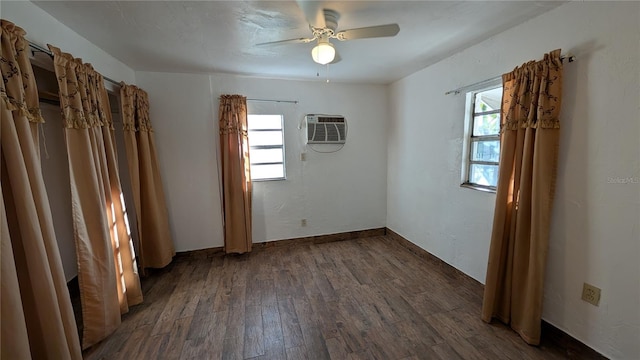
{"x":331,"y":18}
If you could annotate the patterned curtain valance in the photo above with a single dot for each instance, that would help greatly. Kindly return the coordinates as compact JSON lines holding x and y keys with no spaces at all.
{"x":83,"y":97}
{"x":18,"y":89}
{"x":532,"y":93}
{"x":135,"y":108}
{"x":233,"y":105}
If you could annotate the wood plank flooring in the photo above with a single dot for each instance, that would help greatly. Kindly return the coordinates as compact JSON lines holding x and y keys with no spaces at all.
{"x":368,"y":298}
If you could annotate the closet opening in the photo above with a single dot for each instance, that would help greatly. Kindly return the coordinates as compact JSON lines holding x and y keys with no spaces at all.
{"x":55,"y":166}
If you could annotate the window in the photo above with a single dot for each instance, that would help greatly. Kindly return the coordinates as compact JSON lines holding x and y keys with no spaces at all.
{"x":481,"y":153}
{"x":266,"y":147}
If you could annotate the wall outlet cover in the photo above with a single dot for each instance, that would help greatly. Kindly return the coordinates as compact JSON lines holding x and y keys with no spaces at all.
{"x":591,"y":294}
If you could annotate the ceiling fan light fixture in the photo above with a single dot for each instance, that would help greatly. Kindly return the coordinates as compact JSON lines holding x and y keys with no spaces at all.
{"x":323,"y":53}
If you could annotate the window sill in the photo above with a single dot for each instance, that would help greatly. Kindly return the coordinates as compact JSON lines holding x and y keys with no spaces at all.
{"x":269,"y":179}
{"x":484,"y":188}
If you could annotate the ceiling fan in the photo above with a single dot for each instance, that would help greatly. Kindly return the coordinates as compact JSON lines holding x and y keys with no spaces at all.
{"x":323,"y":24}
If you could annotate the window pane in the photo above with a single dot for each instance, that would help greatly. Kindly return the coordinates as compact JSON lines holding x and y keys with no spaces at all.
{"x":264,"y":122}
{"x":260,"y":138}
{"x":488,"y":100}
{"x":266,"y":155}
{"x":485,"y":150}
{"x":486,"y":125}
{"x":483,"y":174}
{"x":267,"y":171}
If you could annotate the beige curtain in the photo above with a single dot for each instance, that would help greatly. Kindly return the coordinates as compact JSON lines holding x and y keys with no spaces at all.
{"x":236,"y":178}
{"x":37,"y":317}
{"x":524,"y":199}
{"x":107,"y":271}
{"x":155,"y":248}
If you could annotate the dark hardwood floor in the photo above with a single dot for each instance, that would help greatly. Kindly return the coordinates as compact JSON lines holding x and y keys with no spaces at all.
{"x":357,"y":299}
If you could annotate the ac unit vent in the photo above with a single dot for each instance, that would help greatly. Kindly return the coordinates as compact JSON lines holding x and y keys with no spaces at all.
{"x":326,"y":129}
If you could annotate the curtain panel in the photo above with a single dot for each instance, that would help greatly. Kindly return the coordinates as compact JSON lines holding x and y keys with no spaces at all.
{"x":529,"y":145}
{"x":107,"y":270}
{"x":155,"y":248}
{"x":236,"y":176}
{"x":36,"y":312}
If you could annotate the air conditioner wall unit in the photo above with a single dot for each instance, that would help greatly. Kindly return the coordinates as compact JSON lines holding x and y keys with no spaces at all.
{"x":326,"y":129}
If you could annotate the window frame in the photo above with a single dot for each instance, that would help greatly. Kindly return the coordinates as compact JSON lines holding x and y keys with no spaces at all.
{"x":470,"y":139}
{"x":265,"y":147}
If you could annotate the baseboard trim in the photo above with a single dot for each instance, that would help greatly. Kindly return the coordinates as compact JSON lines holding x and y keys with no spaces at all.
{"x":214,"y":251}
{"x":316,"y":239}
{"x":434,"y":260}
{"x":320,"y":239}
{"x":573,"y":348}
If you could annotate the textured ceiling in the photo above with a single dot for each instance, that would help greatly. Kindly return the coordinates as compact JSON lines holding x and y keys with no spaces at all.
{"x":220,"y":36}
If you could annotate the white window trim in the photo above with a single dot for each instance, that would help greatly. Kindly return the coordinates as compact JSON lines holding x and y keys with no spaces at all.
{"x":468,"y":130}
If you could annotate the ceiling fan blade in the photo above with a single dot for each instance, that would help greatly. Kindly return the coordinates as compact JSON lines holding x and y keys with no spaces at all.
{"x":288,"y":41}
{"x":312,"y":12}
{"x":368,"y":32}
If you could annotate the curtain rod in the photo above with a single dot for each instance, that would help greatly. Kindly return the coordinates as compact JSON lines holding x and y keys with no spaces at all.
{"x":570,"y":58}
{"x":278,"y":101}
{"x":39,"y":48}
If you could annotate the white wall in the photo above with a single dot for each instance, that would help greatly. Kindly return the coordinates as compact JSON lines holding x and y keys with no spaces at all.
{"x":337,"y":192}
{"x":595,"y":234}
{"x":184,"y":130}
{"x":43,"y":29}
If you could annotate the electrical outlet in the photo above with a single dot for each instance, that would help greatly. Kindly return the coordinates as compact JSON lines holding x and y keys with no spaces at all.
{"x":303,"y":156}
{"x":303,"y":222}
{"x":591,"y":294}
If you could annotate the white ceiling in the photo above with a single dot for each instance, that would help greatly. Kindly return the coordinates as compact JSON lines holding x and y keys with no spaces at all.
{"x":220,"y":36}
